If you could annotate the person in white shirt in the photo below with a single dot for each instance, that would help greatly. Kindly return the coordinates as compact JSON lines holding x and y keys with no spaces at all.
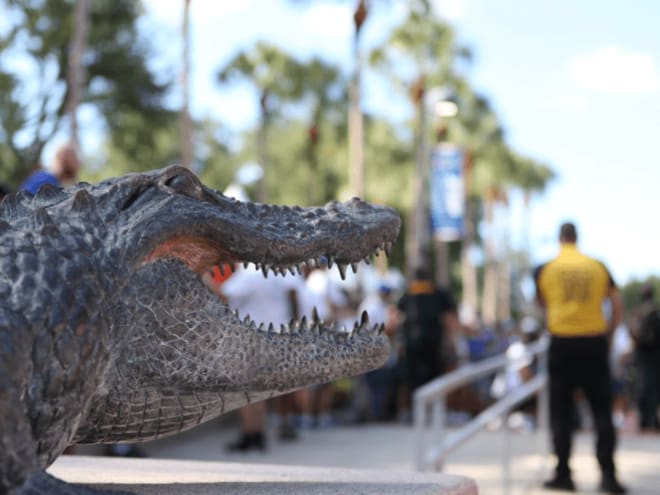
{"x":265,"y":300}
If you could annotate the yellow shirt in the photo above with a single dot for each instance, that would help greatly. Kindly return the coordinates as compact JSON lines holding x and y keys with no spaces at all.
{"x":572,"y":288}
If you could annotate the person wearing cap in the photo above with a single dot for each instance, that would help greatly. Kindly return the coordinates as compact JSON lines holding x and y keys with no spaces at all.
{"x":66,"y":166}
{"x":572,"y":288}
{"x":429,"y":318}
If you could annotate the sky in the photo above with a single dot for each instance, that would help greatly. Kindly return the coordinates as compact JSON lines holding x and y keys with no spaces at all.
{"x":575,"y":84}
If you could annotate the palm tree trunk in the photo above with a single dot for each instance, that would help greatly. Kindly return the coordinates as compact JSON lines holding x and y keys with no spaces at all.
{"x":489,"y":297}
{"x":503,"y":310}
{"x":76,"y":69}
{"x":470,"y":295}
{"x":262,"y":147}
{"x":186,"y":122}
{"x":418,"y":236}
{"x":355,"y":119}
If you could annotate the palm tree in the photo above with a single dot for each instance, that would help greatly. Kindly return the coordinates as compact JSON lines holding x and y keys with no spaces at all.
{"x":275,"y":76}
{"x":430,"y":44}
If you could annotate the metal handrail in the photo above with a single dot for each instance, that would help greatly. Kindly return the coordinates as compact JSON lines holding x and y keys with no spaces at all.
{"x":432,"y":448}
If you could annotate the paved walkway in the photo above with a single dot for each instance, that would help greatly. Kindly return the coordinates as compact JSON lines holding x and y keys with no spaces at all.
{"x":390,"y":447}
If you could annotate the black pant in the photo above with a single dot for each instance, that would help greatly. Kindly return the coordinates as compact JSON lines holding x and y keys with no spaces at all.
{"x":581,"y":362}
{"x":649,"y":396}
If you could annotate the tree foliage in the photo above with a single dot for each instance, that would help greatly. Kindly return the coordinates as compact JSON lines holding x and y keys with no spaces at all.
{"x":301,"y":137}
{"x":120,"y":88}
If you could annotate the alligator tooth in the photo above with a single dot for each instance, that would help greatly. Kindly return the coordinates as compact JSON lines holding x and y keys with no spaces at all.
{"x":246,"y":264}
{"x":381,"y":328}
{"x":271,"y":327}
{"x":303,"y":324}
{"x":264,"y":270}
{"x":330,"y":261}
{"x":292,"y":270}
{"x":354,"y":267}
{"x":312,"y":263}
{"x":283,"y":328}
{"x":262,"y":327}
{"x":315,"y":315}
{"x":367,"y":260}
{"x":388,"y":248}
{"x":342,"y":270}
{"x":364,"y":321}
{"x":246,"y":320}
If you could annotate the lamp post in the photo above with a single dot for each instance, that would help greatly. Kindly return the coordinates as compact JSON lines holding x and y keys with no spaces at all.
{"x":442,"y":106}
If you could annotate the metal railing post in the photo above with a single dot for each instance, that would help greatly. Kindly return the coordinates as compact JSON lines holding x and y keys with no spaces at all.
{"x":506,"y":456}
{"x":419,"y":418}
{"x":438,"y":414}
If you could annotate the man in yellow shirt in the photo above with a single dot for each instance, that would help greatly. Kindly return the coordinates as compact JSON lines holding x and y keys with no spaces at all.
{"x":573,"y":289}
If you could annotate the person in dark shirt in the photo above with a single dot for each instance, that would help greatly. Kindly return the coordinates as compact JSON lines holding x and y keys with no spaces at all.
{"x":645,"y":331}
{"x":429,"y":315}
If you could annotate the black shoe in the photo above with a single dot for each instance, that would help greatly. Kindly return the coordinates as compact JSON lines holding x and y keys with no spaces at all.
{"x":611,"y":485}
{"x":123,"y":450}
{"x":564,"y":483}
{"x":288,"y":434}
{"x":247,"y":442}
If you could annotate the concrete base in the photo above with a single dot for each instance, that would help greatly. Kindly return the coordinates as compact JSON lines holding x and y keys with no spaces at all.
{"x":167,"y":477}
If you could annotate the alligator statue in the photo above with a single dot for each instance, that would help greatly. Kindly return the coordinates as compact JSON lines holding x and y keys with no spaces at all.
{"x":108,"y":333}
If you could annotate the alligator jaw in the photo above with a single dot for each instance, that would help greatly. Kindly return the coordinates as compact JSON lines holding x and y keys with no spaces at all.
{"x":199,"y":344}
{"x":205,"y":228}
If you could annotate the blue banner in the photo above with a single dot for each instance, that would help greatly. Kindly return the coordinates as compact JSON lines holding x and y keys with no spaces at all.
{"x":447,"y":197}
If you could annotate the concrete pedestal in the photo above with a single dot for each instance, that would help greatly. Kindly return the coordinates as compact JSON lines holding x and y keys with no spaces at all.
{"x":167,"y":477}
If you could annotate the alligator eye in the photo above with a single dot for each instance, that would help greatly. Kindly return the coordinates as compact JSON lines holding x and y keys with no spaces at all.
{"x":182,"y":183}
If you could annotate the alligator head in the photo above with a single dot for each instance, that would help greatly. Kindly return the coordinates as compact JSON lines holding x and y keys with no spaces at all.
{"x":177,"y":354}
